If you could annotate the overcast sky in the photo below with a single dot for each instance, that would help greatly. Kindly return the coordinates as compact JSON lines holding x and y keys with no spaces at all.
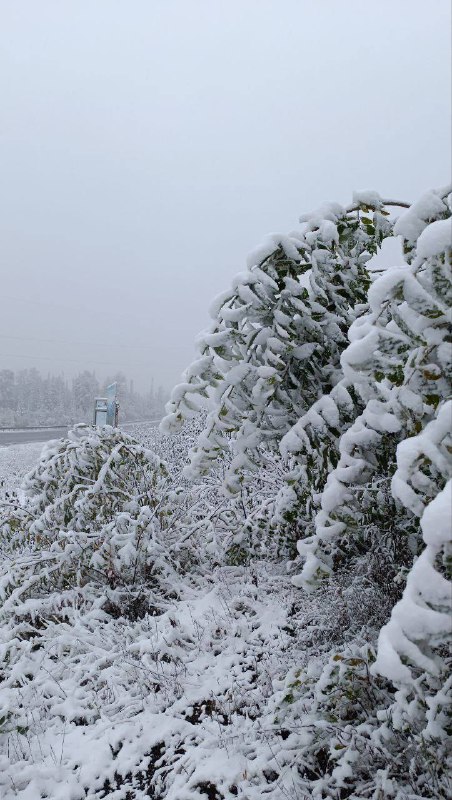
{"x":146,"y":146}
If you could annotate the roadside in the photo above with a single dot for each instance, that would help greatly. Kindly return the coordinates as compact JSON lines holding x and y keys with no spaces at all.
{"x":15,"y":462}
{"x":20,"y":450}
{"x":12,"y":436}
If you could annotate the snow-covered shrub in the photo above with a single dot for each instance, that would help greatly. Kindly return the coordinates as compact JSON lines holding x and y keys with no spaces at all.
{"x":101,"y":523}
{"x":332,"y":710}
{"x":81,"y":482}
{"x":328,"y":708}
{"x":277,"y":371}
{"x":275,"y":344}
{"x":395,"y":460}
{"x":243,"y":523}
{"x":414,"y":647}
{"x":399,"y":362}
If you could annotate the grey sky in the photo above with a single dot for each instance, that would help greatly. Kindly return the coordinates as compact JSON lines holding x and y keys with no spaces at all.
{"x":147,"y":145}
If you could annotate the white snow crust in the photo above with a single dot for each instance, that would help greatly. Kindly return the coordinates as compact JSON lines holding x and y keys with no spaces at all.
{"x":435,"y":238}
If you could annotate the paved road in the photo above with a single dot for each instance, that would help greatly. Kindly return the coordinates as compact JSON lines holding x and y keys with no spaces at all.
{"x":24,"y":437}
{"x":45,"y":434}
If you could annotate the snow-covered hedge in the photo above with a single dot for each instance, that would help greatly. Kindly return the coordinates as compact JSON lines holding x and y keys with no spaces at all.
{"x":361,"y":424}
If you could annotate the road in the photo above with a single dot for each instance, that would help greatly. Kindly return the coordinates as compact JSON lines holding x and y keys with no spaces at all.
{"x":24,"y":436}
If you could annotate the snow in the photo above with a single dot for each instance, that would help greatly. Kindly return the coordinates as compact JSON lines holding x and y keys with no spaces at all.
{"x":384,"y":285}
{"x":328,"y":232}
{"x":425,"y":609}
{"x":272,"y":242}
{"x":260,"y":253}
{"x":368,"y":198}
{"x":217,"y":304}
{"x":389,"y":253}
{"x":435,"y":238}
{"x":414,"y":448}
{"x":154,"y":641}
{"x":238,"y":374}
{"x":412,"y":222}
{"x":436,"y":522}
{"x":326,"y":211}
{"x":15,"y":461}
{"x":191,"y":697}
{"x":304,"y":351}
{"x":172,"y":679}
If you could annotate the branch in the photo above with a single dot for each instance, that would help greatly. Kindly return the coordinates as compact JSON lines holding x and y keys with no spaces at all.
{"x":399,"y":203}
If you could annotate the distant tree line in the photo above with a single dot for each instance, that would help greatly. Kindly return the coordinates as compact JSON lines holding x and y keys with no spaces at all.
{"x":29,"y":398}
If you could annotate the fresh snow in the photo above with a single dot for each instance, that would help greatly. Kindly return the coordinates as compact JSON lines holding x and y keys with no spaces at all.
{"x":435,"y":238}
{"x":197,"y":682}
{"x":412,"y":222}
{"x":155,"y":638}
{"x":367,"y":197}
{"x":15,"y":461}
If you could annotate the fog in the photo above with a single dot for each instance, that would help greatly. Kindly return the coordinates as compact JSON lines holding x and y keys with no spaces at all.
{"x":146,"y":147}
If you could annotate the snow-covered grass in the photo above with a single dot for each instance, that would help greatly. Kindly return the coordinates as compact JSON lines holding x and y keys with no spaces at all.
{"x":15,"y":462}
{"x":178,"y":702}
{"x":233,"y":685}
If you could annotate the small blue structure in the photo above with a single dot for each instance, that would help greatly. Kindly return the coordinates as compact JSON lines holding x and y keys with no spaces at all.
{"x":106,"y":408}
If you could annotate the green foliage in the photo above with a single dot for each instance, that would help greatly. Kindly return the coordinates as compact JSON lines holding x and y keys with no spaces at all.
{"x":274,"y":348}
{"x":404,"y":339}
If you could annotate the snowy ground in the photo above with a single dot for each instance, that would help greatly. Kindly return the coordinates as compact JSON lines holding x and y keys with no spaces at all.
{"x":15,"y":462}
{"x":189,"y":689}
{"x":227,"y":689}
{"x":173,"y":702}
